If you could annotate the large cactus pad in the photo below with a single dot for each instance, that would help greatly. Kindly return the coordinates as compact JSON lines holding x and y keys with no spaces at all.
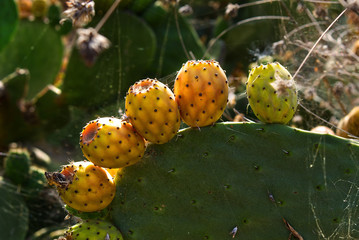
{"x":247,"y":181}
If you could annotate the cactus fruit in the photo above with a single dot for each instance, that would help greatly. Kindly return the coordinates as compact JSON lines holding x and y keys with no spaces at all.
{"x":153,"y":111}
{"x":322,"y":130}
{"x":17,"y":165}
{"x":272,"y":93}
{"x":93,"y":230}
{"x":244,"y":176}
{"x":201,"y":90}
{"x":39,"y":8}
{"x":83,"y":186}
{"x":111,"y":143}
{"x":350,"y":124}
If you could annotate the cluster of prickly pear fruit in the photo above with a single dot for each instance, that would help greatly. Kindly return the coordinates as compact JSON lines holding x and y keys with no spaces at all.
{"x":152,"y":113}
{"x":272,"y":93}
{"x":201,"y":90}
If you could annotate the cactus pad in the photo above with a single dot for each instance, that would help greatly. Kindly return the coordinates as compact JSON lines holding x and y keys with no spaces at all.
{"x":247,"y":181}
{"x":17,"y":165}
{"x":272,"y":93}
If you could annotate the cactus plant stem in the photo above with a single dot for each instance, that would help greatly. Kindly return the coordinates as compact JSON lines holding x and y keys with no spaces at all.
{"x":107,"y":15}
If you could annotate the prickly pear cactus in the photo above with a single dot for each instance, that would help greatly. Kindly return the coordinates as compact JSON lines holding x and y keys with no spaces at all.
{"x":93,"y":230}
{"x":272,"y":93}
{"x":17,"y":165}
{"x":245,"y":181}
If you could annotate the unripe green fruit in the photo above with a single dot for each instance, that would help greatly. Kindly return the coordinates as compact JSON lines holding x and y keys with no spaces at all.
{"x":272,"y":93}
{"x":93,"y":230}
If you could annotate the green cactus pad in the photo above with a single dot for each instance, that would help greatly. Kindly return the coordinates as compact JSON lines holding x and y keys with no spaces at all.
{"x":8,"y":21}
{"x":94,"y":230}
{"x":265,"y":180}
{"x":49,"y":99}
{"x":131,"y":53}
{"x":17,"y":165}
{"x":170,"y":53}
{"x":37,"y":47}
{"x":14,"y":213}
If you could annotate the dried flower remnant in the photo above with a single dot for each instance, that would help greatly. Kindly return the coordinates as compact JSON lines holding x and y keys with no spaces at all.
{"x":185,"y":10}
{"x":79,"y":11}
{"x":232,"y":10}
{"x":351,"y":4}
{"x":91,"y":44}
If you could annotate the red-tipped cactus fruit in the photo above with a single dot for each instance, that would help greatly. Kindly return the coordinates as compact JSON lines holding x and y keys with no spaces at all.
{"x":111,"y":143}
{"x":83,"y":186}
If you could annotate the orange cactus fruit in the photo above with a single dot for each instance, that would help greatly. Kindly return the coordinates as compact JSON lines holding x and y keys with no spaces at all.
{"x":153,"y":111}
{"x":322,"y":130}
{"x":201,"y":90}
{"x":83,"y":186}
{"x":111,"y":143}
{"x":350,"y":124}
